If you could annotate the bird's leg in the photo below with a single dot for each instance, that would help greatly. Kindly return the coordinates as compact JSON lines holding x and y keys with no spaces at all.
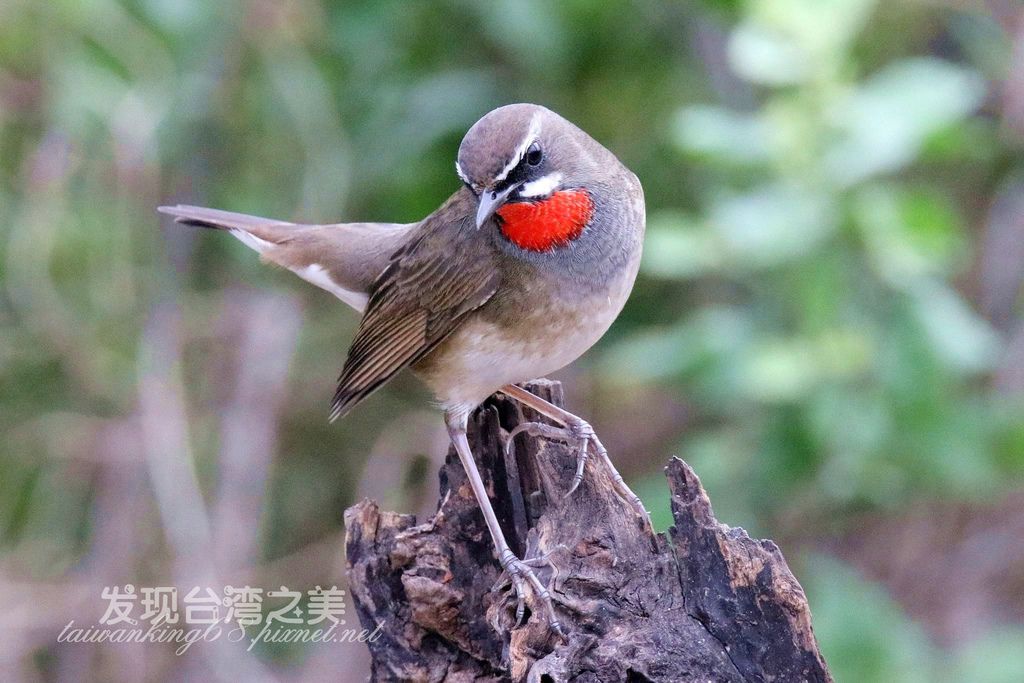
{"x":575,"y":429}
{"x":518,"y":570}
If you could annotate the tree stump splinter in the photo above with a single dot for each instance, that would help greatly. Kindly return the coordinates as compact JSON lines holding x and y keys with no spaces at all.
{"x":700,"y":602}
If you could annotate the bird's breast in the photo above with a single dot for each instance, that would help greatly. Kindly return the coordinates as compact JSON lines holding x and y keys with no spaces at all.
{"x":510,"y":341}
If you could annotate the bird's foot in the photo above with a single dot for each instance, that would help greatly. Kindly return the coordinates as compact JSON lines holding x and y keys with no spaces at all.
{"x":565,"y":434}
{"x":520,"y":573}
{"x":579,"y":431}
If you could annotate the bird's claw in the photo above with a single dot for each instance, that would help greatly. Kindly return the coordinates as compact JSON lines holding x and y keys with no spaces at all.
{"x":584,"y":435}
{"x":580,"y":431}
{"x":521,"y":574}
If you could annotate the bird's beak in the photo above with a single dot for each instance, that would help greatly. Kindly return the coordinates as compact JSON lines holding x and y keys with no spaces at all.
{"x":491,"y":201}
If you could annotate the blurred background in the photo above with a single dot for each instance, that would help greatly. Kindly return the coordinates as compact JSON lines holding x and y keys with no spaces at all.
{"x":829,"y":323}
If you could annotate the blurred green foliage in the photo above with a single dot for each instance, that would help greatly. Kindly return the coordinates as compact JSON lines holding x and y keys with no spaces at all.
{"x":818,"y":178}
{"x":865,"y":637}
{"x":830,"y":346}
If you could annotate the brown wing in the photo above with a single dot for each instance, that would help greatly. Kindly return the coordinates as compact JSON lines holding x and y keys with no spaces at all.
{"x":439,"y":276}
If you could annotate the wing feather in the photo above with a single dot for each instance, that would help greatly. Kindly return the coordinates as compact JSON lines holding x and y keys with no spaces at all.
{"x":438,"y":277}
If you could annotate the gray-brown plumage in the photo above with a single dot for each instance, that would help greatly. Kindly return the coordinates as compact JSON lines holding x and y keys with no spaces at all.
{"x":418,"y":300}
{"x":514,"y":277}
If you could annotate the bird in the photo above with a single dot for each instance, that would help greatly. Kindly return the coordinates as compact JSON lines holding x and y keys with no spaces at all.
{"x":515,"y":276}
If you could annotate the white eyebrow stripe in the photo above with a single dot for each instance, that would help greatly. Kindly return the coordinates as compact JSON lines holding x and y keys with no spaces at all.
{"x":531,"y":136}
{"x":462,"y":176}
{"x":541,"y":187}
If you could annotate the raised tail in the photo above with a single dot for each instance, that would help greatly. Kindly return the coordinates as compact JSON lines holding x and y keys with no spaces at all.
{"x":260,"y":234}
{"x":215,"y":218}
{"x":342,"y":258}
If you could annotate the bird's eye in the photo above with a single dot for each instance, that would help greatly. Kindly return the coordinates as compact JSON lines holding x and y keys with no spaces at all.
{"x":534,"y":155}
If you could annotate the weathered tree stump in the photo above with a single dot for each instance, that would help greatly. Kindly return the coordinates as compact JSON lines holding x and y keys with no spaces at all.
{"x":702,"y":602}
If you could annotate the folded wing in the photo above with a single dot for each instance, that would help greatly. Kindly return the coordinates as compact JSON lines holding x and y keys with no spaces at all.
{"x":439,"y":276}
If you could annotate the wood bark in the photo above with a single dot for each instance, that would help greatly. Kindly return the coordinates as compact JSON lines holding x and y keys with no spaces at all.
{"x":700,"y":602}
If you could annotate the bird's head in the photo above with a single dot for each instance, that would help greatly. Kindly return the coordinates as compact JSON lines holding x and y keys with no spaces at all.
{"x":530,"y":168}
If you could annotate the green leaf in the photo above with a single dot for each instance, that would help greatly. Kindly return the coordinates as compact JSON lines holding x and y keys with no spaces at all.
{"x":772,"y":224}
{"x":677,"y":247}
{"x":786,"y":42}
{"x":884,"y":123}
{"x":997,"y":657}
{"x":909,"y":234}
{"x":864,"y":635}
{"x":959,"y":336}
{"x":726,"y":135}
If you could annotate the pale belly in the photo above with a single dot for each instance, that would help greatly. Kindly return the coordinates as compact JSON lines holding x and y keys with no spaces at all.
{"x":482,"y":356}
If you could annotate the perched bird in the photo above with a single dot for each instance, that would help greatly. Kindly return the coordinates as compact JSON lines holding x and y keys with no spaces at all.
{"x":512,"y":278}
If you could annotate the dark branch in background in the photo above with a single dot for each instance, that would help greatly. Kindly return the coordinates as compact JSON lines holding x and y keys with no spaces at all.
{"x":702,"y":602}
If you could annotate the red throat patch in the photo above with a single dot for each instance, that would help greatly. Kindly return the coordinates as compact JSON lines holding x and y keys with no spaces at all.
{"x":544,"y":225}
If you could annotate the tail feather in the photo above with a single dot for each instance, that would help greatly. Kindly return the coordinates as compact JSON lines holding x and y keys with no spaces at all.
{"x":259,"y":234}
{"x":342,"y":258}
{"x":345,"y":259}
{"x":215,"y":218}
